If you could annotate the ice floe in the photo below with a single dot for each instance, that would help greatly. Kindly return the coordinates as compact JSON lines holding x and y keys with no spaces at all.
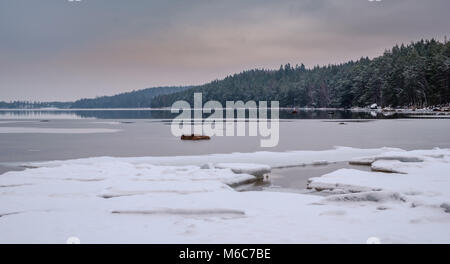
{"x":272,"y":159}
{"x":258,"y":170}
{"x":423,"y":176}
{"x":191,"y":200}
{"x":373,"y":196}
{"x":39,"y":130}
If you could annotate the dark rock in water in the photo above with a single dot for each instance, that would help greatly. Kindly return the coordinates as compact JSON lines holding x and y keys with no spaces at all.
{"x":195,"y":137}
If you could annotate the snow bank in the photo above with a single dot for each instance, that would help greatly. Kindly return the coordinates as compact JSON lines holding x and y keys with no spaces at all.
{"x":422,"y":176}
{"x":39,"y":130}
{"x":258,"y":170}
{"x":137,"y":200}
{"x":272,"y":159}
{"x":402,"y":156}
{"x":377,"y":197}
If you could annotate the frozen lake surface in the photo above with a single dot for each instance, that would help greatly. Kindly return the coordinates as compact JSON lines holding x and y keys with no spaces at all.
{"x":160,"y":189}
{"x":50,"y":135}
{"x":401,"y":198}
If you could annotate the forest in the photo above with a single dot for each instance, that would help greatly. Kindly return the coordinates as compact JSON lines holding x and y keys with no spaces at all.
{"x":135,"y":99}
{"x":414,"y":75}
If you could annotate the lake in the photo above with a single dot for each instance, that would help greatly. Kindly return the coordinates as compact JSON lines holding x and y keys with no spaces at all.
{"x":60,"y":135}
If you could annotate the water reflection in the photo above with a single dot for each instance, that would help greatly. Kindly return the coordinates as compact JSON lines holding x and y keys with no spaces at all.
{"x":38,"y":114}
{"x":166,"y":114}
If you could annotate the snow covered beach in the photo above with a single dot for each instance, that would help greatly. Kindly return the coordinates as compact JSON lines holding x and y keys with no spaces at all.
{"x":190,"y":199}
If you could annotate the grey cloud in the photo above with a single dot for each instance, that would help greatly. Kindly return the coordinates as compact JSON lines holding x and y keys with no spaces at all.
{"x":53,"y":49}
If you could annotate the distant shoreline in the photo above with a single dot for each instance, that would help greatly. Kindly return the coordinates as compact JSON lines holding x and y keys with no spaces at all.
{"x":399,"y":110}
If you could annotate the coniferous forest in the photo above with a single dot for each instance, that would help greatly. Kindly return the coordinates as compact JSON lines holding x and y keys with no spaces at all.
{"x":416,"y":75}
{"x":136,"y":99}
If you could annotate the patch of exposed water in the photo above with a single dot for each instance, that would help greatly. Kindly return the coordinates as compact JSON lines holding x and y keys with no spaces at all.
{"x":295,"y":179}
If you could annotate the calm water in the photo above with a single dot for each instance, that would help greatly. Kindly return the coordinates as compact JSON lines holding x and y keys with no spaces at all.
{"x":295,"y":179}
{"x":147,"y":133}
{"x":165,"y":114}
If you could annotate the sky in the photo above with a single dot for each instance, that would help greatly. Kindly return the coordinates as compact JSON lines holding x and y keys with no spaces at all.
{"x":65,"y":50}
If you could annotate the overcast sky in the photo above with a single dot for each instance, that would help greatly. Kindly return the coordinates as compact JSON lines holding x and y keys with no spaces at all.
{"x":62,"y":50}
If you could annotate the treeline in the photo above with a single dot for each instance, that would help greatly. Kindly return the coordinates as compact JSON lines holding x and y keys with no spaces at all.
{"x":32,"y":105}
{"x":135,"y":99}
{"x":417,"y":75}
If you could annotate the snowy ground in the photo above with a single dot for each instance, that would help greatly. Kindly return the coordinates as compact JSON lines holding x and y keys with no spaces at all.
{"x":405,"y":199}
{"x":38,"y":130}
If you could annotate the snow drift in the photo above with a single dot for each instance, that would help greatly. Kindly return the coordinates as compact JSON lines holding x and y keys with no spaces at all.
{"x":191,"y":200}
